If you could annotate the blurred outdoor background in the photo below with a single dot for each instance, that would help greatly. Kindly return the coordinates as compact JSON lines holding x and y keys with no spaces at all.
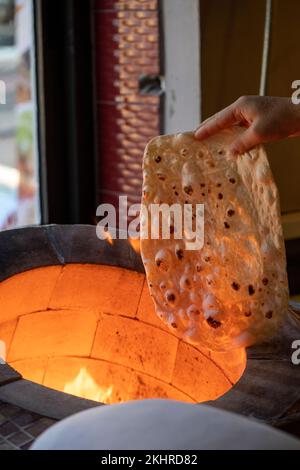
{"x":19,"y":200}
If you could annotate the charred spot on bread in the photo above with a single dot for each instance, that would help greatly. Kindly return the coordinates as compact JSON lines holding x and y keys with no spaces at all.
{"x":213,"y":323}
{"x":235,"y":285}
{"x":179,"y":253}
{"x":188,"y":190}
{"x":251,"y":289}
{"x":171,"y":297}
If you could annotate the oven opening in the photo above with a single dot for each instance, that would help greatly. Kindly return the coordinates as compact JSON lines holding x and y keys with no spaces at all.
{"x":91,"y":331}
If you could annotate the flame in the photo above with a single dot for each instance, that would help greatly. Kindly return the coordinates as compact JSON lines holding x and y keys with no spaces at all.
{"x":135,"y":244}
{"x":84,"y":386}
{"x":108,"y":237}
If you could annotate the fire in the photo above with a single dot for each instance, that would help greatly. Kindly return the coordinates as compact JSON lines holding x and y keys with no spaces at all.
{"x":84,"y":386}
{"x":108,"y":237}
{"x":135,"y":244}
{"x":100,"y":339}
{"x":2,"y":351}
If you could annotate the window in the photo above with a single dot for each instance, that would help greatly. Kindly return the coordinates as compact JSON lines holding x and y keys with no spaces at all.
{"x":19,"y":186}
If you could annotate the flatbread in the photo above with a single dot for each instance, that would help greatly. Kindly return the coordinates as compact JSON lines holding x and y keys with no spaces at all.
{"x":233,"y":292}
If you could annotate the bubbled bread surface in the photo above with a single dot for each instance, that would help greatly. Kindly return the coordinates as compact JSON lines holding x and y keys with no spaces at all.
{"x":233,"y":291}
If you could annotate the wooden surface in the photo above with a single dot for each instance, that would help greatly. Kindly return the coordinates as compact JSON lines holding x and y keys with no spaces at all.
{"x":231,"y":56}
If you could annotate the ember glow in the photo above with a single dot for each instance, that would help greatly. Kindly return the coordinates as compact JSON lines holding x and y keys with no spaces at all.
{"x":108,"y":237}
{"x":135,"y":244}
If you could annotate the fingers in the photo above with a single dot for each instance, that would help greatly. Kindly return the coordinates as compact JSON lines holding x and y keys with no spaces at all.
{"x":246,"y":140}
{"x":225,"y":118}
{"x":228,"y":117}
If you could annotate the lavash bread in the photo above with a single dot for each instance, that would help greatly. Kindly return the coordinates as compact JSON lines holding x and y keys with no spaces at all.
{"x":234,"y":291}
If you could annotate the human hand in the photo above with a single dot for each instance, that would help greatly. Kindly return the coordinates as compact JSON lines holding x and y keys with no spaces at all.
{"x":267,"y":118}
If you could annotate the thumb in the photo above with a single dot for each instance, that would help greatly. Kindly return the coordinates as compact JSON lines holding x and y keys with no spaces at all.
{"x":244,"y":142}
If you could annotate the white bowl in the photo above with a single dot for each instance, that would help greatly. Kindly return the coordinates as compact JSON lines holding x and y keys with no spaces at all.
{"x":161,"y":424}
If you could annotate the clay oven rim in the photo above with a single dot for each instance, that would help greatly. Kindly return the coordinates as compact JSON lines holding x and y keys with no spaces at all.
{"x":49,"y":245}
{"x":270,"y":385}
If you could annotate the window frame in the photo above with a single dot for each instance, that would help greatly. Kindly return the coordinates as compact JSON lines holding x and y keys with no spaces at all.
{"x":66,"y":110}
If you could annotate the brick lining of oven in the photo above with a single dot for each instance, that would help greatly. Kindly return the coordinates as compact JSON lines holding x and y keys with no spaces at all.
{"x":91,"y":330}
{"x":253,"y":395}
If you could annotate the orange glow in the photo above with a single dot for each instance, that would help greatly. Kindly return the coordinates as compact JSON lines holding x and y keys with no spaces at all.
{"x":108,"y":237}
{"x":135,"y":243}
{"x":84,"y":386}
{"x":91,"y":331}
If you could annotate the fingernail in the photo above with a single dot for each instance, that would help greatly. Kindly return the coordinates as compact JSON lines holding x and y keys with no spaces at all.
{"x":198,"y":130}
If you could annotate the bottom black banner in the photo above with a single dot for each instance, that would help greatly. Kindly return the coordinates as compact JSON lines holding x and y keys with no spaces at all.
{"x":135,"y":459}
